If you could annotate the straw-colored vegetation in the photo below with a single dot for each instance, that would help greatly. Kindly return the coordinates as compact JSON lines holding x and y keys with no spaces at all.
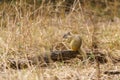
{"x":30,"y":29}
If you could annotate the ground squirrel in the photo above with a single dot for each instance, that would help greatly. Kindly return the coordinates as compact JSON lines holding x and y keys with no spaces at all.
{"x":75,"y":43}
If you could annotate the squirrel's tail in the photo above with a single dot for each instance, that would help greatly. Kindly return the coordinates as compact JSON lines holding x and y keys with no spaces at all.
{"x":83,"y":53}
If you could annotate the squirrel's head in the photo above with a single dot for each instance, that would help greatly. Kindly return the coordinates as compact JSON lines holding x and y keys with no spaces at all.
{"x":68,"y":37}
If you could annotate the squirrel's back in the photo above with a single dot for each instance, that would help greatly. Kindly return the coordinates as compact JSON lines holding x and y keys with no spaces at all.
{"x":76,"y":43}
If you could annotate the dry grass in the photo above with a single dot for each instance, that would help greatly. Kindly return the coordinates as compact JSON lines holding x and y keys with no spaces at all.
{"x":28,"y":31}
